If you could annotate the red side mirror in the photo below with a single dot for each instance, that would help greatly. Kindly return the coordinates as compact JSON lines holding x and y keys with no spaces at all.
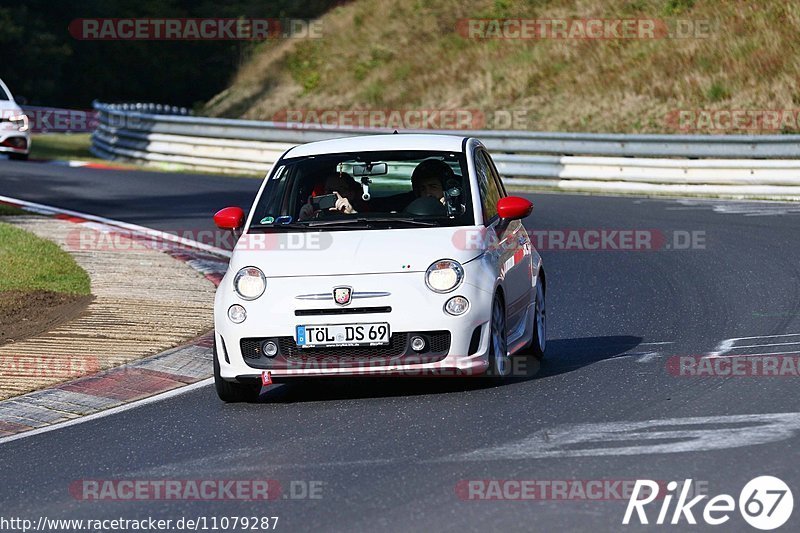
{"x":514,"y":208}
{"x":231,"y":218}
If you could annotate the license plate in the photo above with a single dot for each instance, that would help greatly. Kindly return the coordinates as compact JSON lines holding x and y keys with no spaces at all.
{"x":343,"y":335}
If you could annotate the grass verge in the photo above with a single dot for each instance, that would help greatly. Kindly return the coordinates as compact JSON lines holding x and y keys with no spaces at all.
{"x":62,"y":146}
{"x":69,"y":147}
{"x":31,"y":263}
{"x":9,"y":210}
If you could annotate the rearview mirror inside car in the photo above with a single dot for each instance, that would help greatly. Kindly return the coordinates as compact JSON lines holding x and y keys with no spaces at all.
{"x":370,"y":169}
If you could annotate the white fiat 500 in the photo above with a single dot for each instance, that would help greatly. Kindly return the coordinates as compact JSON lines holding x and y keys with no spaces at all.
{"x":380,"y":255}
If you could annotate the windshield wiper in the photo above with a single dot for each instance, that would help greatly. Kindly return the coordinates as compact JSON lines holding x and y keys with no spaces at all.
{"x":347,"y":222}
{"x":290,"y":225}
{"x":406,"y":220}
{"x":370,"y":220}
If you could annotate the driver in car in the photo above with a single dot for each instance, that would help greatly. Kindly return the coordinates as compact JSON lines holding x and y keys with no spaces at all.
{"x":346,"y":189}
{"x":430,"y":178}
{"x":435,"y":185}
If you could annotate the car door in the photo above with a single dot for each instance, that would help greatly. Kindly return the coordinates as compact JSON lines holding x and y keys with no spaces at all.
{"x":510,"y":254}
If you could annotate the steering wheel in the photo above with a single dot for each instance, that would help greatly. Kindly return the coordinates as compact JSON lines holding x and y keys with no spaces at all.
{"x":425,"y":206}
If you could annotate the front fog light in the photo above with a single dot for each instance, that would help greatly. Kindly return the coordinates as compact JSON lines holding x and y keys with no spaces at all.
{"x":417,"y":343}
{"x":270,"y":349}
{"x":457,"y":305}
{"x":237,"y":314}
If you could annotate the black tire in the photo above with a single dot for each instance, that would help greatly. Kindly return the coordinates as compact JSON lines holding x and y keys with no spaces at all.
{"x":18,"y":157}
{"x":539,"y":342}
{"x":499,"y":361}
{"x":231,"y":392}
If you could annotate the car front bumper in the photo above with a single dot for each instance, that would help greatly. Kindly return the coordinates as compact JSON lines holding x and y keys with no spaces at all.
{"x":14,"y":141}
{"x":455,"y":345}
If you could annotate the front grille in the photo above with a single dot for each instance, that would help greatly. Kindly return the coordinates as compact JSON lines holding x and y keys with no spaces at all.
{"x":251,"y":348}
{"x":343,"y":311}
{"x":438,"y":341}
{"x":396,"y":352}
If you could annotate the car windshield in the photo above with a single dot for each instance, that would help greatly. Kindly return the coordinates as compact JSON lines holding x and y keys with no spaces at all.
{"x":366,"y":190}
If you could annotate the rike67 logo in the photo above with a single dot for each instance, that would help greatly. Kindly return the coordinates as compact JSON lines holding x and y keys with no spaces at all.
{"x":765,"y":503}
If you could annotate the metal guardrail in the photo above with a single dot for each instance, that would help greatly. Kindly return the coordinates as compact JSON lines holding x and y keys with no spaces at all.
{"x":738,"y":165}
{"x":149,"y":108}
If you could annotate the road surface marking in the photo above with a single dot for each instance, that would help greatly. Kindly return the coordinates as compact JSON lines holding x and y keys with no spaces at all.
{"x":728,"y":345}
{"x":671,"y":435}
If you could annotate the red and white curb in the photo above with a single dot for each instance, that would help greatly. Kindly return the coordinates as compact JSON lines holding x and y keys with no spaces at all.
{"x":73,"y":163}
{"x":171,"y":372}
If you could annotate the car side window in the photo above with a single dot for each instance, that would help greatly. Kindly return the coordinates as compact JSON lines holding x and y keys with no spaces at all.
{"x":276,"y":199}
{"x":490,"y":194}
{"x":496,"y":175}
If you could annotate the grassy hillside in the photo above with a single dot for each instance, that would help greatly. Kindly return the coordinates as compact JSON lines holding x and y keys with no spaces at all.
{"x":396,"y":54}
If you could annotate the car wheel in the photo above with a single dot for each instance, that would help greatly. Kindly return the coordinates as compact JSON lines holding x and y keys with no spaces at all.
{"x":539,"y":341}
{"x":232,"y":392}
{"x":18,"y":157}
{"x":499,"y":361}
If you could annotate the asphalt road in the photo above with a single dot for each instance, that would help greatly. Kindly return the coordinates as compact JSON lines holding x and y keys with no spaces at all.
{"x":390,"y":455}
{"x":165,"y":201}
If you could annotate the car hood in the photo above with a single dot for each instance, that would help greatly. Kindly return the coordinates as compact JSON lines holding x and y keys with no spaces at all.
{"x":8,"y":108}
{"x":352,"y":252}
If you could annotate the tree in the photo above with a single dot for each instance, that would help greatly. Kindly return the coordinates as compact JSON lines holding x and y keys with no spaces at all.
{"x":50,"y":67}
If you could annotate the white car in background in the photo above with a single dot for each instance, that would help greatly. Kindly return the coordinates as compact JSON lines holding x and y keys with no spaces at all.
{"x":15,"y":135}
{"x":378,"y":255}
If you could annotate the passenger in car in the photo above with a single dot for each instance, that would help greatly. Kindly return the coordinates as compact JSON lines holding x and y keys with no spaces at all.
{"x":347,"y":190}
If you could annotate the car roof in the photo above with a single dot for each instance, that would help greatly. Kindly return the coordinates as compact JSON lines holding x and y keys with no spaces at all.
{"x":377,"y":143}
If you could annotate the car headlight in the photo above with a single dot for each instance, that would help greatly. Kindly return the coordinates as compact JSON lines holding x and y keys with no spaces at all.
{"x":444,"y":275}
{"x":21,"y":122}
{"x":249,"y":283}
